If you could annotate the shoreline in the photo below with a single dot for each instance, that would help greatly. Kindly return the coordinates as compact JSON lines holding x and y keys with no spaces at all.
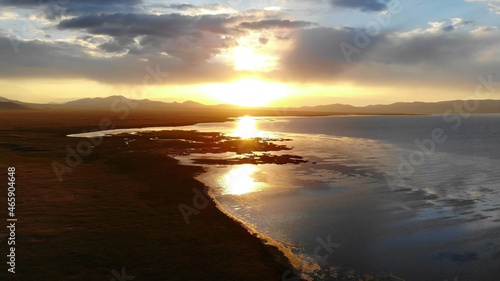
{"x":282,"y":255}
{"x":287,"y":258}
{"x":279,"y":259}
{"x":129,"y":216}
{"x":294,"y":264}
{"x":119,"y":209}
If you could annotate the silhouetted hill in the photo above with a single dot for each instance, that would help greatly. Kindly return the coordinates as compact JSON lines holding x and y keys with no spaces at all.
{"x":11,"y":105}
{"x":485,"y":106}
{"x":107,"y":103}
{"x":192,"y":104}
{"x":114,"y":101}
{"x":2,"y":99}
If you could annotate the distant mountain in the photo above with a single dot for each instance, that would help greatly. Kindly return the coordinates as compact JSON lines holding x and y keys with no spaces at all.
{"x":485,"y":106}
{"x":330,"y":108}
{"x":112,"y":101}
{"x":11,"y":105}
{"x":2,"y":99}
{"x":192,"y":104}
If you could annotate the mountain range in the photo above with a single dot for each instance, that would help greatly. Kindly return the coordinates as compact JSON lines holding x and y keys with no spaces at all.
{"x":484,"y":106}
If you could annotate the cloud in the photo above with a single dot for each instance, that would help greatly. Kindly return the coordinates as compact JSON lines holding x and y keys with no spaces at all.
{"x":8,"y":15}
{"x":495,"y":9}
{"x":439,"y":50}
{"x":184,"y":47}
{"x":263,"y":40}
{"x":454,"y":24}
{"x":451,"y":58}
{"x":56,"y":9}
{"x":494,"y":5}
{"x":190,"y":38}
{"x":316,"y":55}
{"x":363,"y":5}
{"x":275,"y":24}
{"x":182,"y":6}
{"x":205,"y":9}
{"x":63,"y":60}
{"x":114,"y":43}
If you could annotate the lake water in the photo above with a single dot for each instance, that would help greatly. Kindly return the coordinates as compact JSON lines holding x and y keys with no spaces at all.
{"x":415,"y":196}
{"x":377,"y":200}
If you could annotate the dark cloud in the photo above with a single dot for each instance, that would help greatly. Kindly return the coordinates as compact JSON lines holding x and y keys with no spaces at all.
{"x":131,"y":25}
{"x":54,"y":9}
{"x":317,"y":55}
{"x":363,"y":5}
{"x":282,"y":37}
{"x":60,"y":60}
{"x":421,"y":59}
{"x":458,"y":24}
{"x":181,"y":7}
{"x":66,"y":2}
{"x":448,"y":28}
{"x":190,"y":38}
{"x":117,"y":45}
{"x":271,"y":24}
{"x":436,"y":49}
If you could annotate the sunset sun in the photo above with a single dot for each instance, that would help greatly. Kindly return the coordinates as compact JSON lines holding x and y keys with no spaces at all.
{"x":245,"y":58}
{"x":246,"y":92}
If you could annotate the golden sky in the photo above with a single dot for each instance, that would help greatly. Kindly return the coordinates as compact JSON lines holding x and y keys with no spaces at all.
{"x":253,"y":53}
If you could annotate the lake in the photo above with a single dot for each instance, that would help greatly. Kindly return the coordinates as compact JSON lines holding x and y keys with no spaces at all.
{"x":414,"y":196}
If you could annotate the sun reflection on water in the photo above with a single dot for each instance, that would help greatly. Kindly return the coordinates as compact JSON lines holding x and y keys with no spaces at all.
{"x":240,"y":180}
{"x":247,"y":128}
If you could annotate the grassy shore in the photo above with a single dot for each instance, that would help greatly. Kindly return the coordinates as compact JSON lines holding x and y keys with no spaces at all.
{"x":117,"y":209}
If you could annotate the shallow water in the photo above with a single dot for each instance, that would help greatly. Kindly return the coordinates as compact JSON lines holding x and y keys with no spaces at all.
{"x":440,"y":219}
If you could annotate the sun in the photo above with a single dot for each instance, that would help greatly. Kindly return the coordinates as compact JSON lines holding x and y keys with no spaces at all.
{"x":246,"y":92}
{"x":245,"y":58}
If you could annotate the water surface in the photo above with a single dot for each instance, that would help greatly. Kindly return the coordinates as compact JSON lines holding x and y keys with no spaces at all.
{"x":372,"y":198}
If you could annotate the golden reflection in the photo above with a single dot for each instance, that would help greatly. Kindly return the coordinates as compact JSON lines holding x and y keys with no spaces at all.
{"x":239,"y":180}
{"x":247,"y":128}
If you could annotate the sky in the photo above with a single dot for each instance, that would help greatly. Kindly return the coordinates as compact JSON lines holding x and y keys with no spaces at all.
{"x":253,"y":53}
